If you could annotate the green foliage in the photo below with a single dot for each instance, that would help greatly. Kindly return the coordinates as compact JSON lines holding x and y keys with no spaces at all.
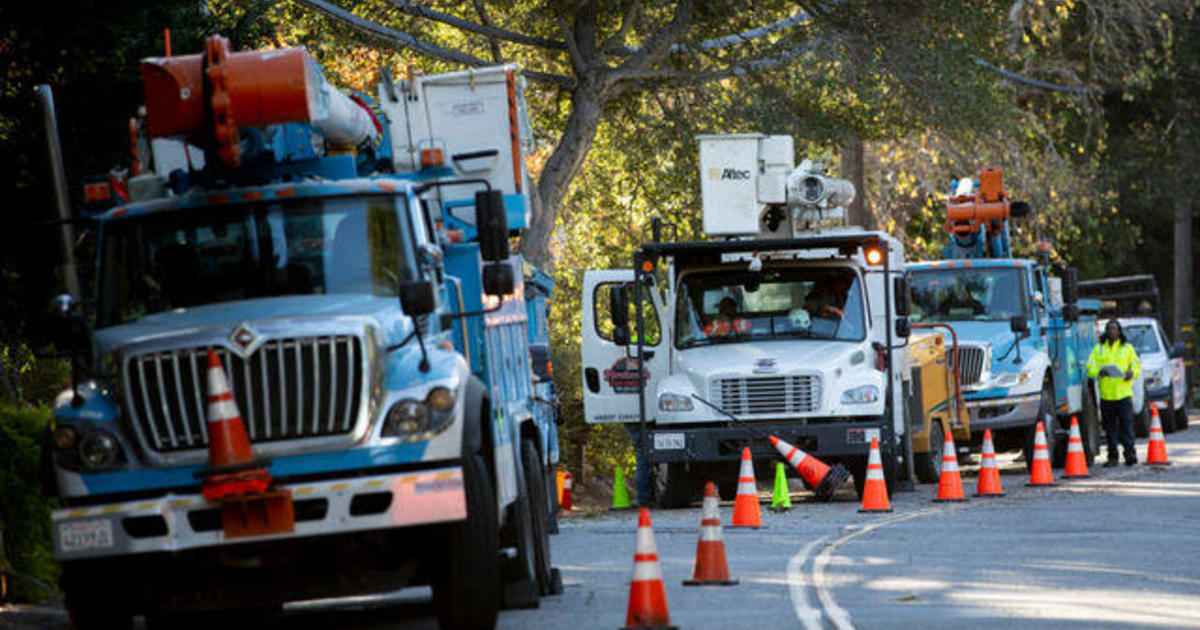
{"x":24,"y":510}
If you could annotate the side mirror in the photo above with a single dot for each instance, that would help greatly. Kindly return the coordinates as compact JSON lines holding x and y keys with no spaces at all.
{"x":618,"y":308}
{"x":1019,"y":209}
{"x":1070,"y":285}
{"x":1179,"y":350}
{"x":491,"y":222}
{"x":900,"y":296}
{"x":417,"y":298}
{"x":498,"y":279}
{"x":903,"y":328}
{"x":1019,"y":325}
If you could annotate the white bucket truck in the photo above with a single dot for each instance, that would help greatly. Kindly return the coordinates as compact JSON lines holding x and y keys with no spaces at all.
{"x":784,"y":318}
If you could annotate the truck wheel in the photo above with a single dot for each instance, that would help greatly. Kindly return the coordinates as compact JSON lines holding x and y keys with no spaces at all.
{"x":536,"y":480}
{"x":519,"y":573}
{"x":1046,"y":416}
{"x":466,"y":593}
{"x":928,"y":465}
{"x":673,"y":486}
{"x":1141,"y":422}
{"x":1089,"y":428}
{"x":727,"y":488}
{"x":858,"y":468}
{"x":1181,"y":415}
{"x":92,"y":606}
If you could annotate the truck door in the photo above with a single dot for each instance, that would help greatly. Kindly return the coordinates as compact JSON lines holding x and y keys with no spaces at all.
{"x":610,"y":371}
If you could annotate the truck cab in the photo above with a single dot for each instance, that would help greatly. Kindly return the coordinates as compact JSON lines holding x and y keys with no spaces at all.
{"x":374,"y":330}
{"x":786,"y":323}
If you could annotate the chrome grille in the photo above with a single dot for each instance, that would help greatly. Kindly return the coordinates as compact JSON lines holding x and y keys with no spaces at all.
{"x":971,"y":362}
{"x":768,"y":394}
{"x":287,"y":389}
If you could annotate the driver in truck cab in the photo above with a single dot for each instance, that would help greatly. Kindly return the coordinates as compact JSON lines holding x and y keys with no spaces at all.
{"x":726,"y":322}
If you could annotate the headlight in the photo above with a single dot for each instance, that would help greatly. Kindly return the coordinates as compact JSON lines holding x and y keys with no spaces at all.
{"x":861,"y":395}
{"x":99,"y":450}
{"x":674,"y":402}
{"x":416,"y":419}
{"x":1010,"y":379}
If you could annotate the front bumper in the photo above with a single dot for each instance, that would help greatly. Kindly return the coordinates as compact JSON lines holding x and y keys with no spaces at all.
{"x":1160,"y":395}
{"x":177,"y":522}
{"x":1003,"y":413}
{"x":720,"y":443}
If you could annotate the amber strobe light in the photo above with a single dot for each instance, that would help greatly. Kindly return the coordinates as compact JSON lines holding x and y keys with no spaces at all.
{"x":874,"y":256}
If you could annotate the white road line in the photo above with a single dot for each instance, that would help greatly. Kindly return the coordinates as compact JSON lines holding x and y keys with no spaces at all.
{"x":840,"y":618}
{"x":809,"y":616}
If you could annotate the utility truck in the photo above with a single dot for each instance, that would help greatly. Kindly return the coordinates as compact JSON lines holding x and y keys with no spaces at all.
{"x":1024,"y":334}
{"x":784,"y":318}
{"x":346,"y":257}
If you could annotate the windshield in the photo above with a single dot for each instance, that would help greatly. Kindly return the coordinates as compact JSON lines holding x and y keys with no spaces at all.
{"x":1144,"y":338}
{"x":304,"y":246}
{"x":786,"y":303}
{"x":981,"y":294}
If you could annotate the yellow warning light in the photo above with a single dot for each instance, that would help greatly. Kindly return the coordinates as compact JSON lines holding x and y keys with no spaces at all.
{"x":874,"y":256}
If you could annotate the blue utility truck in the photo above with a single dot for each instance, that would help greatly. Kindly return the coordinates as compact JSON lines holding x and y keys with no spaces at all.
{"x":347,"y":258}
{"x":1024,"y":336}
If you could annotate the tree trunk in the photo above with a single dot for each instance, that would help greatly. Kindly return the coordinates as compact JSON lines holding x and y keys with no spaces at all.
{"x":1184,"y":265}
{"x":587,"y":105}
{"x":852,"y":169}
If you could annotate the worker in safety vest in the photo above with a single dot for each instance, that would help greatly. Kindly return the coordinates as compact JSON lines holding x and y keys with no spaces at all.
{"x":1115,"y":364}
{"x":726,"y":322}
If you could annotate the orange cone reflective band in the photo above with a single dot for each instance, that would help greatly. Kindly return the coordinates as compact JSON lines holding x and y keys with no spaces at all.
{"x":647,"y":596}
{"x":568,"y":496}
{"x":950,"y":482}
{"x":989,"y":474}
{"x":745,"y":506}
{"x":232,"y":466}
{"x":1076,"y":458}
{"x":823,"y":479}
{"x":711,"y":568}
{"x":875,"y":496}
{"x":1039,"y":472}
{"x":1156,"y":451}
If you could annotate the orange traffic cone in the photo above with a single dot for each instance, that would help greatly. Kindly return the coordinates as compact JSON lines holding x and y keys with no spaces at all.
{"x":568,"y":493}
{"x":647,"y":595}
{"x":823,"y":479}
{"x":1076,"y":459}
{"x":711,"y":568}
{"x":989,"y":474}
{"x":745,"y":506}
{"x":950,"y":481}
{"x":1156,"y":451}
{"x":875,"y":496}
{"x":1039,"y":472}
{"x":233,"y":468}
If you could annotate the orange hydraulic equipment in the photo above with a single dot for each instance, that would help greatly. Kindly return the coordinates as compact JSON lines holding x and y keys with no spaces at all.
{"x":977,"y":217}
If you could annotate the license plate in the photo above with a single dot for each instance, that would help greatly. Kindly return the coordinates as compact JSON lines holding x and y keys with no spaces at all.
{"x":861,"y":436}
{"x":668,"y":441}
{"x":80,"y":535}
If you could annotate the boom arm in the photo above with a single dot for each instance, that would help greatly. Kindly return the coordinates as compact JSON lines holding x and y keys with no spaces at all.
{"x":977,"y":218}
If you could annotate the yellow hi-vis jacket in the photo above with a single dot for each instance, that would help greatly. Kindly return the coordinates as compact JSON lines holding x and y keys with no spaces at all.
{"x":1121,"y":355}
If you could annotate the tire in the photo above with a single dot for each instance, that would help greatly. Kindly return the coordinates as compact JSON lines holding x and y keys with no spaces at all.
{"x":536,"y":480}
{"x":1047,"y":417}
{"x":1181,"y":416}
{"x":519,"y":573}
{"x":91,"y":606}
{"x":1141,"y":422}
{"x":673,"y":486}
{"x":1167,"y":416}
{"x":928,"y":466}
{"x":858,"y":468}
{"x":466,"y":593}
{"x":1089,"y":428}
{"x":727,"y":488}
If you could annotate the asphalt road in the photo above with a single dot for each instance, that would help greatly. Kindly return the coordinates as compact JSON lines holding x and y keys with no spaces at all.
{"x":1118,"y":550}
